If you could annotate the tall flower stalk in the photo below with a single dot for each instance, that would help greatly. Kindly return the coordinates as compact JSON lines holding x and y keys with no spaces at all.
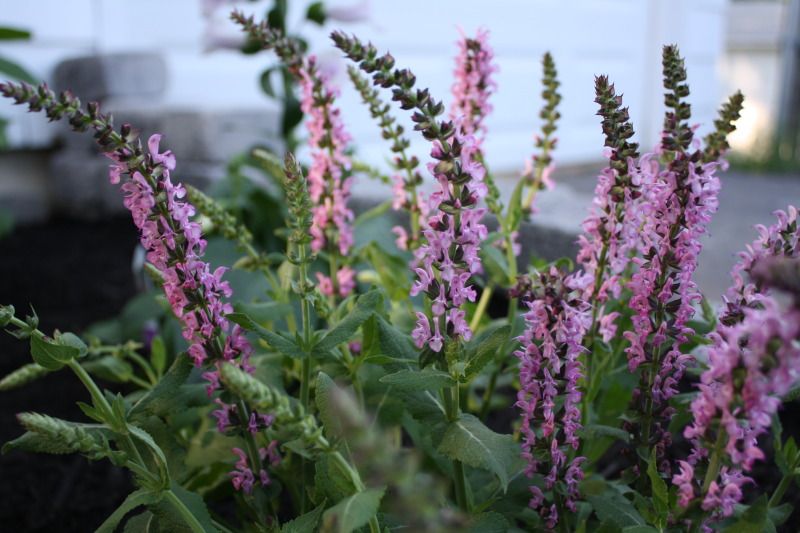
{"x":753,"y":361}
{"x":549,"y":398}
{"x":607,"y":236}
{"x":329,"y":177}
{"x":473,"y":84}
{"x":406,"y":178}
{"x":676,"y":206}
{"x":449,"y":257}
{"x":536,"y":176}
{"x":174,"y":246}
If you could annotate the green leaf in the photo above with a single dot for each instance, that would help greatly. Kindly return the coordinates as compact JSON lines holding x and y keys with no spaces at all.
{"x":326,"y":406}
{"x":50,"y":354}
{"x":353,"y":512}
{"x":659,"y":488}
{"x":780,"y":514}
{"x":427,"y":379}
{"x":639,"y":529}
{"x":485,"y":352}
{"x":346,"y":328}
{"x":316,"y":13}
{"x":13,"y":70}
{"x":70,"y":339}
{"x":14,"y":34}
{"x":611,"y":507}
{"x":514,"y":216}
{"x":109,"y":368}
{"x":496,"y":264}
{"x":292,"y":115}
{"x":394,"y":343}
{"x":158,"y":355}
{"x":373,"y":213}
{"x":265,"y":311}
{"x":472,"y":443}
{"x":305,"y":523}
{"x":331,"y":481}
{"x":162,"y":399}
{"x":134,"y":500}
{"x":266,"y":82}
{"x":282,"y":344}
{"x":196,"y":507}
{"x":490,"y":522}
{"x":753,"y":520}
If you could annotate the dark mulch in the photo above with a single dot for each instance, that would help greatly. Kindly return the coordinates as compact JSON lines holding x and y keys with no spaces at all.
{"x":73,"y":273}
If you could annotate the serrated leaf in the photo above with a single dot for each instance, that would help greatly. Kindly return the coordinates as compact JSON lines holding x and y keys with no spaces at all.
{"x":394,"y":343}
{"x":346,"y":328}
{"x":485,"y":352}
{"x":659,"y":488}
{"x":304,"y":523}
{"x":161,"y":399}
{"x":327,"y":412}
{"x":50,"y":354}
{"x":285,"y":346}
{"x":134,"y":500}
{"x":610,"y":507}
{"x":353,"y":512}
{"x":468,"y":440}
{"x":331,"y":482}
{"x":411,"y":380}
{"x":753,"y":520}
{"x":196,"y":506}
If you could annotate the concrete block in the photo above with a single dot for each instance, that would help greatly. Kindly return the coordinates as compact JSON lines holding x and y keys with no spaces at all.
{"x":140,"y":76}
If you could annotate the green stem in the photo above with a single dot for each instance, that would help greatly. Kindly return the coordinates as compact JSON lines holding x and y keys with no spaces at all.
{"x":144,"y":365}
{"x":451,"y":402}
{"x":780,"y":490}
{"x":486,"y":295}
{"x":101,"y":403}
{"x":715,"y":462}
{"x":185,"y":513}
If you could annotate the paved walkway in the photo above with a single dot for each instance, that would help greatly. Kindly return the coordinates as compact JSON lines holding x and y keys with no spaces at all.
{"x":745,"y":200}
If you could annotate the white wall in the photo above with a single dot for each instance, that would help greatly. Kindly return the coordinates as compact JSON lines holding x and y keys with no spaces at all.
{"x":621,"y":38}
{"x":753,"y":63}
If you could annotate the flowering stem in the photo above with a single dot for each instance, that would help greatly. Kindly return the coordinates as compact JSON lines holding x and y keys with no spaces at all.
{"x":715,"y":462}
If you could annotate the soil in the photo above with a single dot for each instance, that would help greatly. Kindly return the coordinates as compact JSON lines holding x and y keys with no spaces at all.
{"x":73,"y":273}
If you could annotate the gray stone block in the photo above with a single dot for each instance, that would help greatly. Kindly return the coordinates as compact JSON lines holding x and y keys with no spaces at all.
{"x":79,"y":185}
{"x":213,"y":136}
{"x":141,"y":76}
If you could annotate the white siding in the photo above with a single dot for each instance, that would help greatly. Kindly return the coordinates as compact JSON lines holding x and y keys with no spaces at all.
{"x":619,"y":37}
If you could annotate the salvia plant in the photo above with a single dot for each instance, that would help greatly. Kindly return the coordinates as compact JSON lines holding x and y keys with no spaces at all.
{"x":371,"y":385}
